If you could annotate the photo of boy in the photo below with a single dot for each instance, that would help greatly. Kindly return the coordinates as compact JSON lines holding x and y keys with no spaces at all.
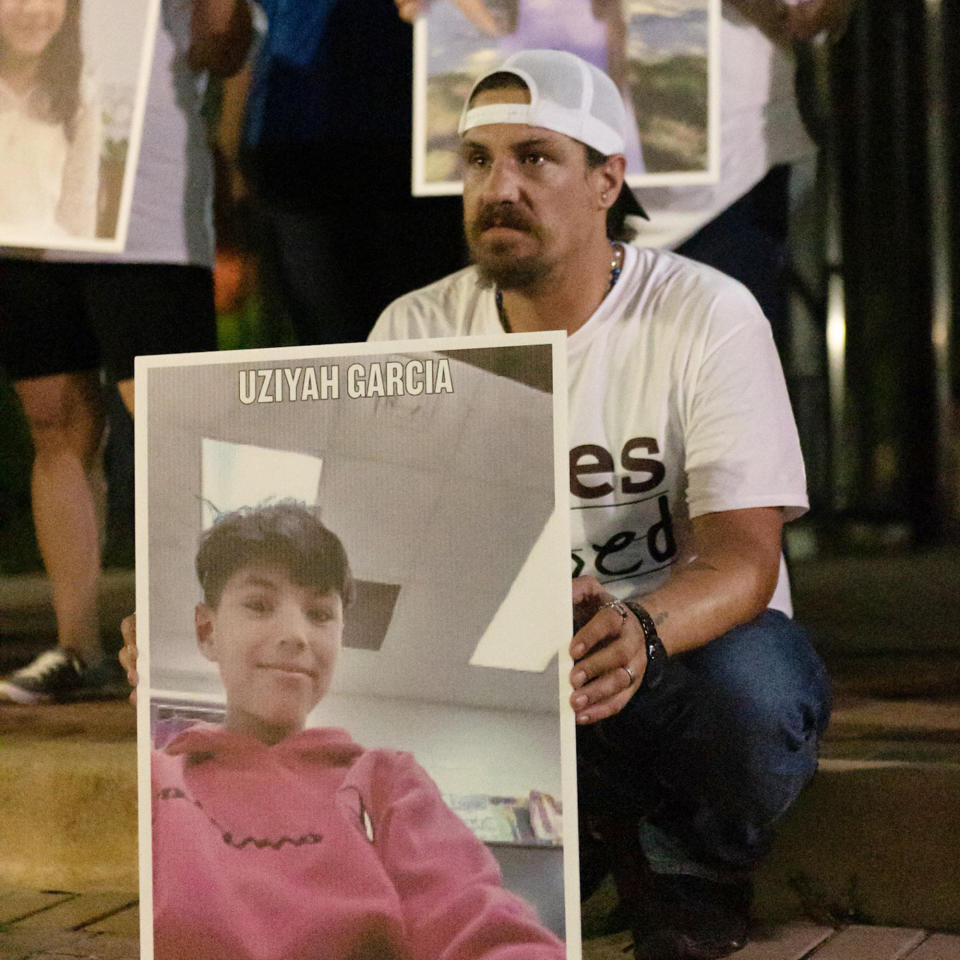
{"x":271,"y":839}
{"x":273,"y":833}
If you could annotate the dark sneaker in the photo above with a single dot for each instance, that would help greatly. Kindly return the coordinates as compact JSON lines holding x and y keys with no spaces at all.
{"x":105,"y":680}
{"x":690,"y":918}
{"x":52,"y":676}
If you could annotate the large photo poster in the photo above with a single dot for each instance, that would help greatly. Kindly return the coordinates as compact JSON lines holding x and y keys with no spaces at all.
{"x":353,"y":605}
{"x":73,"y":86}
{"x":662,"y":54}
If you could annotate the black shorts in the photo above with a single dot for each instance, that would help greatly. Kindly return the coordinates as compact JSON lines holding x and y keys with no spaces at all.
{"x":67,"y":317}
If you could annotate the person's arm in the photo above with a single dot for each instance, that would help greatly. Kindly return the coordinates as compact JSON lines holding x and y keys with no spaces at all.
{"x":409,"y":10}
{"x":812,"y":17}
{"x":453,"y":902}
{"x":220,"y":35}
{"x":742,"y":468}
{"x":729,"y":582}
{"x":787,"y":23}
{"x":228,"y":132}
{"x":771,"y":16}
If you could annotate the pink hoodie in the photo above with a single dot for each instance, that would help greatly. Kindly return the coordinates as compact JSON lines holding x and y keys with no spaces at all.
{"x":316,"y":849}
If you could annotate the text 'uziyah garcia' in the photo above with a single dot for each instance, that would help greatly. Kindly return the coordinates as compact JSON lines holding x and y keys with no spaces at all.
{"x":381,"y":378}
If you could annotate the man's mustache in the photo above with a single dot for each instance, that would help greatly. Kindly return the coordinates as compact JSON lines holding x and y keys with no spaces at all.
{"x":500,"y":216}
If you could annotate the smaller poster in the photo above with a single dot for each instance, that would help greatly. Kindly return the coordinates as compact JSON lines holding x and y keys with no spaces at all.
{"x":353,"y":613}
{"x":662,"y":54}
{"x":73,"y":86}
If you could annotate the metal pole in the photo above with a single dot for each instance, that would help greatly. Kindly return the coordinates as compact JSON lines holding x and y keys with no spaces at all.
{"x":940,"y":263}
{"x":836,"y":318}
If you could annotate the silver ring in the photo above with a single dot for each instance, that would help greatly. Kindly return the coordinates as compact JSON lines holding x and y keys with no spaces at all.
{"x":617,"y":605}
{"x":630,"y":674}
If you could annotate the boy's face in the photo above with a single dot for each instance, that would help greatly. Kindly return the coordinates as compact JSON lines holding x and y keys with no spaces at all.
{"x":276,"y":644}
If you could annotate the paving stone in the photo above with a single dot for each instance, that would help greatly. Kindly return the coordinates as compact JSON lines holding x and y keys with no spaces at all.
{"x":610,"y":947}
{"x":77,"y":912}
{"x":938,"y":947}
{"x":792,"y":941}
{"x":75,"y":945}
{"x":125,"y":923}
{"x":17,"y":904}
{"x":870,"y":943}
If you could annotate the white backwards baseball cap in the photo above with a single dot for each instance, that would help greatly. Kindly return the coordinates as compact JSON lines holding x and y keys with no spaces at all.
{"x":567,"y":95}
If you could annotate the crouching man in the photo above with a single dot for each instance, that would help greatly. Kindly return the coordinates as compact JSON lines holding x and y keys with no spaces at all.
{"x":699,"y":701}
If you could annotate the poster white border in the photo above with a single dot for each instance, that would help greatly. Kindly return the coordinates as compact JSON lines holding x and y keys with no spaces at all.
{"x":559,"y":574}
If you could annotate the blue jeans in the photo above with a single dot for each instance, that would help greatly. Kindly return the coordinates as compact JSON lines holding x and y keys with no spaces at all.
{"x":717,"y":754}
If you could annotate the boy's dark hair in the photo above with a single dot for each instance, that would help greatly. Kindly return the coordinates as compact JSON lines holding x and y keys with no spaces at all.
{"x":617,"y":226}
{"x":287,"y":533}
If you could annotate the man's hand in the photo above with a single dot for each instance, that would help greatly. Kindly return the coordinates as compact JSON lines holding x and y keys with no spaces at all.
{"x":788,"y":23}
{"x":221,"y":32}
{"x":608,"y":652}
{"x":409,"y":10}
{"x":812,"y":17}
{"x":128,"y":653}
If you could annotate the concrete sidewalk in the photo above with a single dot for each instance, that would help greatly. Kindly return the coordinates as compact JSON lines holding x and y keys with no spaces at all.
{"x":63,"y":926}
{"x":51,"y":925}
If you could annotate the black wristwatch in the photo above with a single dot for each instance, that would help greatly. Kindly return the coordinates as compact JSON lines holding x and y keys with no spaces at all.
{"x":656,"y":653}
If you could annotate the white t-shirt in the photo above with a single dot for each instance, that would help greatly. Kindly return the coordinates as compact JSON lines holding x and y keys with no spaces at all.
{"x":760,"y":127}
{"x":171,"y":217}
{"x":677,"y":408}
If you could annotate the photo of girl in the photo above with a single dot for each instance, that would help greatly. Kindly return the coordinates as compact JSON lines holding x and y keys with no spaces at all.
{"x":72,"y":91}
{"x":657,"y":52}
{"x":274,"y":840}
{"x":50,"y":125}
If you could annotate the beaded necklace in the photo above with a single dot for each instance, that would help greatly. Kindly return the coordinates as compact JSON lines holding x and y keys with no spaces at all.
{"x":616,"y":266}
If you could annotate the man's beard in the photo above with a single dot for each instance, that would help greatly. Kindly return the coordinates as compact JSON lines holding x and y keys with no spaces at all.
{"x":495,"y":262}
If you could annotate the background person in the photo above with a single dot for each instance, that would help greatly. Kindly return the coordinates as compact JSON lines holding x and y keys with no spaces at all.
{"x":50,"y":124}
{"x":64,"y":316}
{"x":701,"y":703}
{"x":322,"y":138}
{"x":741,"y":223}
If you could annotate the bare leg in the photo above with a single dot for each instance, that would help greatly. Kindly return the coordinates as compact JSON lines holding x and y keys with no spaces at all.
{"x":65,"y":414}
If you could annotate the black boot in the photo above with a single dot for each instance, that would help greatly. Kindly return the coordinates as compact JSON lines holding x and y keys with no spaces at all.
{"x":691,"y":918}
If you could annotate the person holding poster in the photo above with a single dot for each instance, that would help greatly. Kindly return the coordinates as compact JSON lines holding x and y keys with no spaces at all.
{"x":699,"y":701}
{"x":741,"y":223}
{"x":279,"y":842}
{"x":49,"y":121}
{"x":64,"y":316}
{"x":323,"y":144}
